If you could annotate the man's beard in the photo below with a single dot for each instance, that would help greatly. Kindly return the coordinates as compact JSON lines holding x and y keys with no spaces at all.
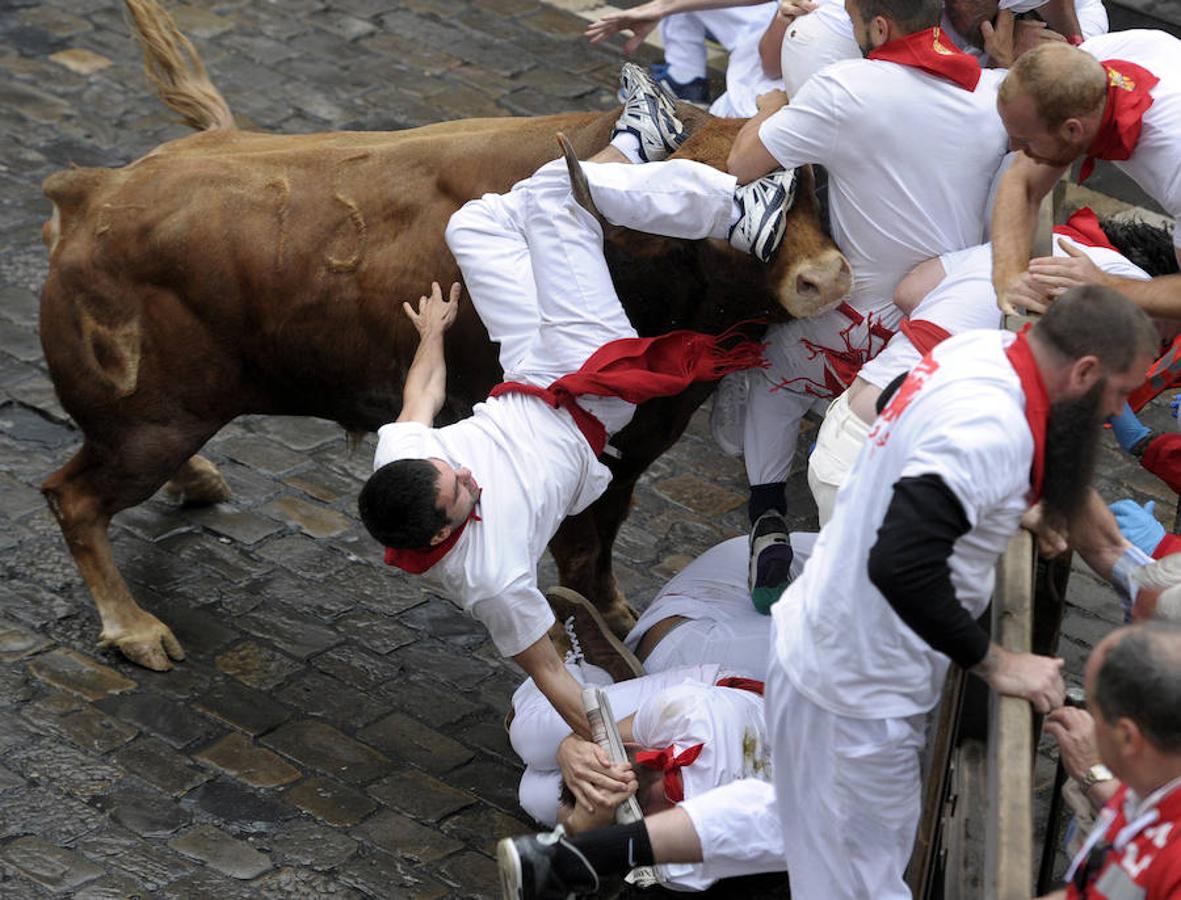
{"x":1072,"y":443}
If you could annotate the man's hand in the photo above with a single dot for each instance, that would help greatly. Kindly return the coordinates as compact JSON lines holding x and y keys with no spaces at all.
{"x":1057,"y":274}
{"x":593,"y":779}
{"x":434,"y":314}
{"x":1009,"y":39}
{"x":1025,"y":292}
{"x":771,"y":101}
{"x":1037,"y":679}
{"x":1050,"y":541}
{"x":1074,"y":730}
{"x":640,"y":20}
{"x":793,"y":9}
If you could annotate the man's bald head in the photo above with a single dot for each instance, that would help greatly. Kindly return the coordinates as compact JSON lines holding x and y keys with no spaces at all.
{"x":1062,"y":81}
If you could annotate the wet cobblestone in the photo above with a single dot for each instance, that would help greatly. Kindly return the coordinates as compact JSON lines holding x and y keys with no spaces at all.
{"x":335,"y":731}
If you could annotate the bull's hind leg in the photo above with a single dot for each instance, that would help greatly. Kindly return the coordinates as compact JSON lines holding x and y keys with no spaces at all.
{"x":198,"y":483}
{"x":83,"y":495}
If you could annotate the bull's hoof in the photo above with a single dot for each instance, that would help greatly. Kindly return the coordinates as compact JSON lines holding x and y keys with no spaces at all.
{"x":149,"y":643}
{"x":198,"y":483}
{"x":619,"y":616}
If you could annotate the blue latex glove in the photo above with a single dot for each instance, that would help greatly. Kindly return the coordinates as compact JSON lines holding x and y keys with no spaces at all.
{"x":1128,"y":430}
{"x":1138,"y":524}
{"x":1174,"y":404}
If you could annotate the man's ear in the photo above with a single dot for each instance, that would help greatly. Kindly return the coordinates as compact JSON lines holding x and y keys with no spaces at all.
{"x":1129,"y":739}
{"x":879,"y":31}
{"x":441,"y":535}
{"x":1072,"y":130}
{"x":1085,"y":372}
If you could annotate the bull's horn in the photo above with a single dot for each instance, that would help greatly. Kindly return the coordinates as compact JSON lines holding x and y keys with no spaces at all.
{"x":579,"y":186}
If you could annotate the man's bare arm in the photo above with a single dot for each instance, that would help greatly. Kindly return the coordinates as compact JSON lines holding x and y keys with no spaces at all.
{"x":541,"y":662}
{"x":1014,"y":218}
{"x":1095,"y":534}
{"x":1061,"y":16}
{"x":749,"y":157}
{"x":640,"y":20}
{"x":426,"y":380}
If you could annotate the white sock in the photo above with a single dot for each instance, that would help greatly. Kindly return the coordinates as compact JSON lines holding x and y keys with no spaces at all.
{"x":629,"y":145}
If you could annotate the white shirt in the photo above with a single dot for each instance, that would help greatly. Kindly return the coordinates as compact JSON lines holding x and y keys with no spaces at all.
{"x":535,"y":469}
{"x":839,"y":640}
{"x":911,"y":158}
{"x":963,"y":301}
{"x":1155,"y":163}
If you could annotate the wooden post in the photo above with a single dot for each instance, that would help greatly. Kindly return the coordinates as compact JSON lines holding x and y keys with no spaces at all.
{"x":1009,"y":849}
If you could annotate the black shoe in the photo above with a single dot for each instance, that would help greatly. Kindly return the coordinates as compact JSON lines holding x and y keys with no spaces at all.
{"x":543,"y":867}
{"x":770,"y":560}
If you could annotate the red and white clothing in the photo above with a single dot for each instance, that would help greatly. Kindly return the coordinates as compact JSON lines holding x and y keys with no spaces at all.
{"x":723,"y":627}
{"x":1155,"y":161}
{"x":1143,"y":859}
{"x":679,"y":709}
{"x":815,"y":40}
{"x":849,"y":683}
{"x":893,"y":204}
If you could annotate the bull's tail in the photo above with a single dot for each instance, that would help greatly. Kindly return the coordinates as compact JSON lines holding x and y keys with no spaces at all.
{"x":172,"y":64}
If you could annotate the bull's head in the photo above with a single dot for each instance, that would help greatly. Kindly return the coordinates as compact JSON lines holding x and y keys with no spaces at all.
{"x":808,"y":274}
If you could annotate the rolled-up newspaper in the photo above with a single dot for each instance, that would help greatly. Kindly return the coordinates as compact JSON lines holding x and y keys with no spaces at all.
{"x":605,"y":733}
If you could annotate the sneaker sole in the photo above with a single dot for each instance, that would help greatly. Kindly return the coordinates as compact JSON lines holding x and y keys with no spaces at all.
{"x":509,"y":865}
{"x":571,"y":596}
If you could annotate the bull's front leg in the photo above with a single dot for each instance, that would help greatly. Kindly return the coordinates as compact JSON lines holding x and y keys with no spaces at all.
{"x":79,"y":509}
{"x":584,"y":560}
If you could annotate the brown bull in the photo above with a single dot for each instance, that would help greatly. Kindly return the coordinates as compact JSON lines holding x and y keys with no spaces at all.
{"x":232,"y":272}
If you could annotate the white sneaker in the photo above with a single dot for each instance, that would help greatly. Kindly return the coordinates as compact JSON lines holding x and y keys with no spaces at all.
{"x":727,"y":419}
{"x":763,"y":206}
{"x":649,"y":113}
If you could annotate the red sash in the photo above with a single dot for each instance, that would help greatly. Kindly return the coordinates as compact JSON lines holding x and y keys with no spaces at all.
{"x":926,"y":50}
{"x":925,"y":336}
{"x":670,"y":763}
{"x":742,"y":684}
{"x":633,"y":369}
{"x":1037,"y":406}
{"x":1128,"y":98}
{"x":1083,"y":228}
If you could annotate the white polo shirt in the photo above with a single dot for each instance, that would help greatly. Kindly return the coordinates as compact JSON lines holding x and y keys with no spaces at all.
{"x":964,"y":300}
{"x":1155,"y":163}
{"x":535,"y":469}
{"x":910,"y":156}
{"x":838,"y":639}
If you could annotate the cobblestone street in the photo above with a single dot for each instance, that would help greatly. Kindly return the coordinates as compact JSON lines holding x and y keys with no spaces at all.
{"x":334,"y":730}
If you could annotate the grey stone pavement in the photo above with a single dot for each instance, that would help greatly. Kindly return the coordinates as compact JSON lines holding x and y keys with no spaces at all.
{"x":335,"y":730}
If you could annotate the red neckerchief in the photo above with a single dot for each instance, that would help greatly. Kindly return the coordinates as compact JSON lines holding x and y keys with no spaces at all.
{"x":670,"y":763}
{"x":1037,"y":406}
{"x":742,"y":684}
{"x":924,"y":335}
{"x":926,"y":50}
{"x":1083,"y":228}
{"x":1128,"y":98}
{"x":417,"y":561}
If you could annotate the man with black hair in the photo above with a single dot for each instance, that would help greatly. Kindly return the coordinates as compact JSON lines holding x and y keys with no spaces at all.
{"x":1133,"y":681}
{"x":911,"y":142}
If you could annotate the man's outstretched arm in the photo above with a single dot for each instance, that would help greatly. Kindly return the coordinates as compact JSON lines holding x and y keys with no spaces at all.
{"x":541,"y":662}
{"x":425,"y":388}
{"x":1014,"y":217}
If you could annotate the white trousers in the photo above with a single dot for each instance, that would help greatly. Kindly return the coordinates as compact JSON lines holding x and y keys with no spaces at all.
{"x":808,"y":46}
{"x":532,"y":260}
{"x":684,"y":35}
{"x":745,"y":78}
{"x":848,"y":792}
{"x":738,"y":825}
{"x":811,"y":359}
{"x":840,"y":439}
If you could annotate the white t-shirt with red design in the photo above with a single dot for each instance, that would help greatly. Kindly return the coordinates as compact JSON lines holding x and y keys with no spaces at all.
{"x":1155,"y":163}
{"x":910,"y":156}
{"x":535,"y":469}
{"x":959,"y":415}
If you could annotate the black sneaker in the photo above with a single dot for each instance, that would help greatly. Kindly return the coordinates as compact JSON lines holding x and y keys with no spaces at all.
{"x":770,"y":560}
{"x":543,"y":867}
{"x":649,"y":113}
{"x":763,"y":206}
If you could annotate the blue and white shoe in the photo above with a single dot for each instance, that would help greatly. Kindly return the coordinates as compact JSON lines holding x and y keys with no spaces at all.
{"x":650,"y":114}
{"x":695,"y":91}
{"x":763,"y":206}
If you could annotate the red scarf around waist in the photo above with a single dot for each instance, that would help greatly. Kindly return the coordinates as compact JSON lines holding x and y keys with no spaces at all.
{"x":1083,"y":227}
{"x":1037,"y":406}
{"x":633,"y":369}
{"x":928,"y":50}
{"x":1128,"y":98}
{"x":639,"y":369}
